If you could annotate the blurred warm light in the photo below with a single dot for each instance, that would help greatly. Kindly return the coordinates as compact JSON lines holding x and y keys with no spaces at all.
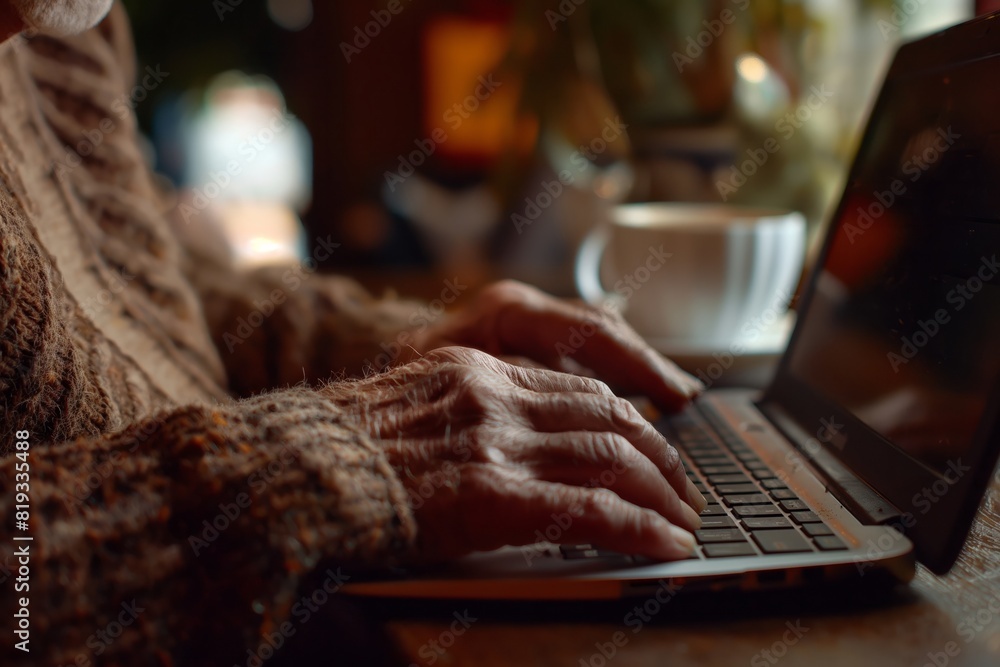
{"x":291,"y":15}
{"x":462,"y":58}
{"x":248,"y":164}
{"x":752,"y":68}
{"x":262,"y":233}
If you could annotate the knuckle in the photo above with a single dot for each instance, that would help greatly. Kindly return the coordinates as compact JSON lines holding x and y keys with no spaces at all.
{"x":671,"y":459}
{"x":611,"y":447}
{"x":623,"y":415}
{"x":462,"y":356}
{"x":505,"y":291}
{"x":602,"y":505}
{"x":475,"y":394}
{"x":597,"y":387}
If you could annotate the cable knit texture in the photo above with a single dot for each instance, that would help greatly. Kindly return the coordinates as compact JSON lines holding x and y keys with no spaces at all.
{"x":108,"y":359}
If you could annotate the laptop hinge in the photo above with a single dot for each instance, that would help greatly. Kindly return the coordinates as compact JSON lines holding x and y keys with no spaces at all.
{"x":862,"y":500}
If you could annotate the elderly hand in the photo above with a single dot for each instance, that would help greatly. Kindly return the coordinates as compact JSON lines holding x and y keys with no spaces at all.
{"x":513,"y":319}
{"x":491,"y":453}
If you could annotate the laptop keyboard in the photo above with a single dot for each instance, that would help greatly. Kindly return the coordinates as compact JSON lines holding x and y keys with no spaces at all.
{"x":751,"y":512}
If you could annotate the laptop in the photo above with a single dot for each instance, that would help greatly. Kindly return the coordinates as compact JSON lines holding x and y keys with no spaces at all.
{"x":873,"y":445}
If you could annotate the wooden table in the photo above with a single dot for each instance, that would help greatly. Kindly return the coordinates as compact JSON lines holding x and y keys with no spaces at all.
{"x":913,"y":625}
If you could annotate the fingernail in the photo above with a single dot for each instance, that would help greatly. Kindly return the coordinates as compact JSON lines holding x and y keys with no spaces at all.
{"x":692,"y":517}
{"x":683,"y":539}
{"x":694,"y":386}
{"x":696,"y":498}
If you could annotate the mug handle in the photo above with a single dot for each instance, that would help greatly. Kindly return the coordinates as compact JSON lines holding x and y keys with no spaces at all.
{"x":588,"y":266}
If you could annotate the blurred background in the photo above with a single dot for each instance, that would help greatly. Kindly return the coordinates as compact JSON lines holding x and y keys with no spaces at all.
{"x":488,"y":137}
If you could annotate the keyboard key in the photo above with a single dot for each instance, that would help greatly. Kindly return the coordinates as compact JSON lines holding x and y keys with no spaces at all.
{"x":746,"y":499}
{"x":773,"y":484}
{"x":755,"y":465}
{"x":720,"y":470}
{"x":717,"y":521}
{"x":765,"y":522}
{"x":728,"y":479}
{"x":747,"y":457}
{"x":711,"y":459}
{"x":705,"y":448}
{"x":805,"y":517}
{"x":817,"y":529}
{"x":786,"y":541}
{"x":713,"y":535}
{"x":729,"y":550}
{"x":713,"y":509}
{"x":794,"y":505}
{"x":783,"y":494}
{"x":763,"y":474}
{"x":585,"y":551}
{"x":830,"y":543}
{"x":736,"y":488}
{"x":756,"y":510}
{"x":701,"y":486}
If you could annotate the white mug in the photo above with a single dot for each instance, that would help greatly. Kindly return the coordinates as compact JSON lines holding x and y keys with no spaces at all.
{"x":693,"y":273}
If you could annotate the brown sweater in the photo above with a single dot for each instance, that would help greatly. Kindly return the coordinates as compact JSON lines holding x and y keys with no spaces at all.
{"x":109,"y":363}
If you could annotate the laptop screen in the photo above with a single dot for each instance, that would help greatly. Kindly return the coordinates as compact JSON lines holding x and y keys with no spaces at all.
{"x":903,"y":328}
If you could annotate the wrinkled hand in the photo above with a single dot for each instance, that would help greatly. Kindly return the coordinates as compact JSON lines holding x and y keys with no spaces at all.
{"x":513,"y":319}
{"x":490,"y":453}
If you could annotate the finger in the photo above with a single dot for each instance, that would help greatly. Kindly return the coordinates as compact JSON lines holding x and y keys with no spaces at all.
{"x":540,"y":325}
{"x":572,"y":514}
{"x":548,"y":381}
{"x":521,"y":362}
{"x":554,"y":413}
{"x":605,"y":460}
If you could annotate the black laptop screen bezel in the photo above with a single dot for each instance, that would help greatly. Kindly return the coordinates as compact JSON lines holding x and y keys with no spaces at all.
{"x":938,"y":533}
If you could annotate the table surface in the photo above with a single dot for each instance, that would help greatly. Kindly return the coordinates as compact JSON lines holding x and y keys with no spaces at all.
{"x":913,"y":625}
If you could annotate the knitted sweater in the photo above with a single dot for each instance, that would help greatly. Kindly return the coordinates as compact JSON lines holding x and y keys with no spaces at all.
{"x":170,"y":522}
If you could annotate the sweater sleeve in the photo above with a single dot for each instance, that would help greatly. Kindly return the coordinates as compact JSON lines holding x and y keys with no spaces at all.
{"x":164,"y":533}
{"x":281,"y":325}
{"x":189,"y":535}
